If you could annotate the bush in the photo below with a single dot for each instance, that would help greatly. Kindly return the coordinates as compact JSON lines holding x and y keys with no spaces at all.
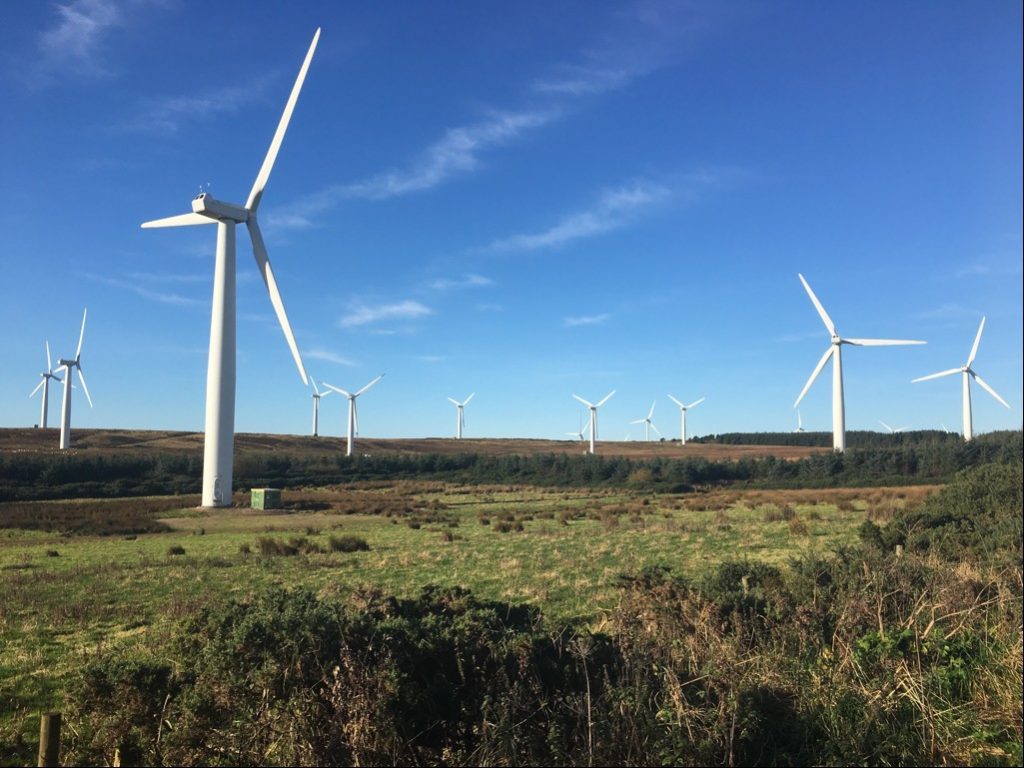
{"x":175,"y":549}
{"x":348,"y":543}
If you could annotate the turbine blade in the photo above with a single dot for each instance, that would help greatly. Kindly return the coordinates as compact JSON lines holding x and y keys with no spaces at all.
{"x":453,"y":401}
{"x":817,"y":305}
{"x":324,"y":394}
{"x":880,"y":342}
{"x":282,"y":127}
{"x":989,"y":389}
{"x":950,"y":372}
{"x":814,"y":374}
{"x":676,"y":401}
{"x":655,"y":429}
{"x":638,"y":421}
{"x":696,"y":403}
{"x":49,"y":361}
{"x":181,"y":220}
{"x":339,"y":390}
{"x":977,"y":341}
{"x":259,"y":251}
{"x":38,"y":387}
{"x":651,"y":412}
{"x":81,"y":379}
{"x":466,"y":401}
{"x":606,"y":399}
{"x":589,"y":405}
{"x":81,"y":334}
{"x":357,"y":394}
{"x":885,"y":425}
{"x":313,"y":382}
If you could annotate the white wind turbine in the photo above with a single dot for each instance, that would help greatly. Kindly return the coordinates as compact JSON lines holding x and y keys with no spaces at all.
{"x":968,"y":374}
{"x":353,"y":415}
{"x":892,"y":431}
{"x":44,"y":384}
{"x":317,"y":394}
{"x":67,"y":365}
{"x":593,"y":416}
{"x":581,"y":432}
{"x":648,"y":424}
{"x":460,"y":416}
{"x":834,"y":351}
{"x":682,"y":416}
{"x":218,"y":453}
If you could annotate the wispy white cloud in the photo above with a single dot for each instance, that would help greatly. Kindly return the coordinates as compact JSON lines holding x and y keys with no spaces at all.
{"x":614,"y":209}
{"x":948,"y":311}
{"x":489,"y":306}
{"x":151,"y":293}
{"x":577,"y":80}
{"x":572,"y":322}
{"x":72,"y":44}
{"x":457,"y":152}
{"x":169,"y":114}
{"x":466,"y":281}
{"x":992,"y":269}
{"x":362,"y":314}
{"x":327,"y":356}
{"x":431,"y":358}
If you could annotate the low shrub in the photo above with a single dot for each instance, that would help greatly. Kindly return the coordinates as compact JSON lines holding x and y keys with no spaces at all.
{"x":348,"y":543}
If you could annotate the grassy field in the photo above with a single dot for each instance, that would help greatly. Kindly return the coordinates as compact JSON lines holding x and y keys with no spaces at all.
{"x":68,"y":598}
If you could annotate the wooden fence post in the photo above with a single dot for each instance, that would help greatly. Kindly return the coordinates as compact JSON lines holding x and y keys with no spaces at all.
{"x":49,"y":739}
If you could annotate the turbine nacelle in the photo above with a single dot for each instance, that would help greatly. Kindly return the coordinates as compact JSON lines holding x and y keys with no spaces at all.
{"x":206,"y":205}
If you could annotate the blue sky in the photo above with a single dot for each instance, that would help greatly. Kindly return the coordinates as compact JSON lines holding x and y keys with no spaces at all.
{"x":519,"y":200}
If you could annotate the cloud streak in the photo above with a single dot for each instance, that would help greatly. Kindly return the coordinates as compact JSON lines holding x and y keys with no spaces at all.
{"x":162,"y":297}
{"x":614,"y":209}
{"x":362,"y":314}
{"x":327,"y":356}
{"x":466,"y":281}
{"x":73,"y":43}
{"x":169,"y":114}
{"x":573,"y":322}
{"x":456,"y":153}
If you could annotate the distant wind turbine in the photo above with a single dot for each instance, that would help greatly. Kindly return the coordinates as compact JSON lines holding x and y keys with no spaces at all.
{"x":835,"y":352}
{"x":968,"y":374}
{"x":892,"y":431}
{"x":581,"y":432}
{"x":682,"y":416}
{"x":218,"y":451}
{"x":648,"y":424}
{"x":317,"y":394}
{"x":44,"y":384}
{"x":799,"y":422}
{"x":460,"y":416}
{"x":353,"y":416}
{"x":67,"y":365}
{"x":593,"y":416}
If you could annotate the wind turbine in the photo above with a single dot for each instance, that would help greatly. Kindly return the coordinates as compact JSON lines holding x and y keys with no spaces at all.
{"x":317,"y":394}
{"x":44,"y":384}
{"x":460,"y":417}
{"x":834,"y":351}
{"x":353,"y":416}
{"x":593,"y":416}
{"x":682,"y":416}
{"x":648,"y":424}
{"x":218,"y":452}
{"x":968,"y":374}
{"x":799,"y":422}
{"x":891,"y":430}
{"x":65,"y":409}
{"x":582,"y":431}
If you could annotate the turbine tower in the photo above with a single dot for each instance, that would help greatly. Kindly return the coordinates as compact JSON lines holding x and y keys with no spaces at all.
{"x":317,"y":394}
{"x":218,"y":452}
{"x":65,"y":409}
{"x":968,"y":374}
{"x":353,"y":416}
{"x":460,"y":417}
{"x":648,"y":424}
{"x":44,"y":384}
{"x":593,"y":416}
{"x":799,"y":423}
{"x":834,"y":351}
{"x":682,"y":416}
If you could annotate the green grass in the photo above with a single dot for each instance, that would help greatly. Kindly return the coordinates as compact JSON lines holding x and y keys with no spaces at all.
{"x":100,"y":592}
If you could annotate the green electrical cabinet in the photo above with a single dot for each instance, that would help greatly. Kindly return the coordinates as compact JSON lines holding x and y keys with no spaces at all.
{"x":266,"y":498}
